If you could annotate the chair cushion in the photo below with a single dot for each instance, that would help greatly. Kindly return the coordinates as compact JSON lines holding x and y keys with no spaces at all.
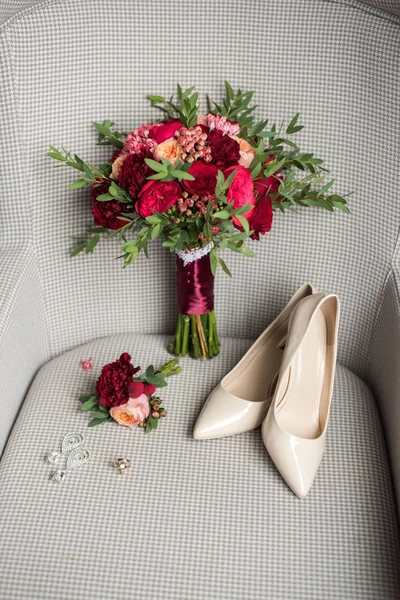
{"x":193,"y":519}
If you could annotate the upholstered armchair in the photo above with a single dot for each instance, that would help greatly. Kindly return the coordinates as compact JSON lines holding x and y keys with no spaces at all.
{"x":201,"y":520}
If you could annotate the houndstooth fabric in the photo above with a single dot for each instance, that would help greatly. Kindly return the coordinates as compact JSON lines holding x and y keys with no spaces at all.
{"x":383,"y":371}
{"x":69,"y":63}
{"x":10,"y":7}
{"x":23,"y":341}
{"x":193,"y":519}
{"x":391,"y":6}
{"x":201,"y":520}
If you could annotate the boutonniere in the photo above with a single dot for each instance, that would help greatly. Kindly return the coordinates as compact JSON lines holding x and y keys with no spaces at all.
{"x":128,"y":397}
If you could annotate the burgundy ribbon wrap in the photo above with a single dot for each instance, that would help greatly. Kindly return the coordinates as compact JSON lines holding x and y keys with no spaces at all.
{"x":195,"y":286}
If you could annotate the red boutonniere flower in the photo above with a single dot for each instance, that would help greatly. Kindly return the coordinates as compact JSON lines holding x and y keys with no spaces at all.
{"x":128,"y":400}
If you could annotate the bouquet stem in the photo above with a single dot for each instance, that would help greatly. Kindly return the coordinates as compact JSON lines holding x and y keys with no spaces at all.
{"x":196,"y":331}
{"x":196,"y":335}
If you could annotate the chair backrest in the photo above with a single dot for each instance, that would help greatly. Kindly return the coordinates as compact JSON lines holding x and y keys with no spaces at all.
{"x":67,"y":63}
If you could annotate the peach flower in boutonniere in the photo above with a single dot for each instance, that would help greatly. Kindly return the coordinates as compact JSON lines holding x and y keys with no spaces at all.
{"x":134,"y":412}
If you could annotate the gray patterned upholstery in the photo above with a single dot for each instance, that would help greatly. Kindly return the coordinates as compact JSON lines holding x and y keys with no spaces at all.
{"x":202,"y":520}
{"x":66,"y":63}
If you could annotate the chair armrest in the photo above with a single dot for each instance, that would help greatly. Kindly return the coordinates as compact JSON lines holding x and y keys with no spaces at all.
{"x":23,"y":336}
{"x":384,"y":371}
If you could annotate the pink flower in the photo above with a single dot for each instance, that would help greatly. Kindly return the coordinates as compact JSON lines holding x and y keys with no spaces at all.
{"x":241,"y":190}
{"x":138,"y":140}
{"x":86,"y":365}
{"x":222,"y":124}
{"x":133,"y":412}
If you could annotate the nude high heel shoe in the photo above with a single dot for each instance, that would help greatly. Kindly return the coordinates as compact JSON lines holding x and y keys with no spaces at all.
{"x":241,"y":401}
{"x":294,"y":430}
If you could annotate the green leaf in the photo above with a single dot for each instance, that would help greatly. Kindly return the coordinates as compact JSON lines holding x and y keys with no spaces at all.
{"x":155,"y":165}
{"x":88,"y":171}
{"x":326,"y":187}
{"x":292,"y":128}
{"x":223,"y":265}
{"x":89,"y":404}
{"x":149,"y":371}
{"x":104,"y":197}
{"x":157,"y":176}
{"x":221,"y":214}
{"x":155,"y":99}
{"x":230,"y":94}
{"x":97,"y":421}
{"x":182,"y":175}
{"x":78,"y":249}
{"x":100,"y":415}
{"x":244,"y":223}
{"x":340,"y":206}
{"x":169,"y":243}
{"x":110,"y":137}
{"x":246,"y":251}
{"x":155,"y":231}
{"x":85,"y":397}
{"x":92,"y":243}
{"x":213,"y":261}
{"x":256,"y":170}
{"x":113,"y":190}
{"x":153,"y":219}
{"x":238,"y":237}
{"x":229,"y":179}
{"x":77,"y":184}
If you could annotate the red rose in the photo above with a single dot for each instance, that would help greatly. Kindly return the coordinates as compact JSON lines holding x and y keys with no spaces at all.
{"x":113,"y":383}
{"x":165,"y":131}
{"x":157,"y":196}
{"x":205,"y":179}
{"x":133,"y":173}
{"x":225,"y":151}
{"x":260,"y":218}
{"x":266,"y":186}
{"x":241,"y":190}
{"x":269,"y":185}
{"x":106,"y":214}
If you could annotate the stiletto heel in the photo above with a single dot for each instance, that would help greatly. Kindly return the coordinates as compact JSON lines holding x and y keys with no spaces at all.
{"x":241,"y":401}
{"x":294,"y":430}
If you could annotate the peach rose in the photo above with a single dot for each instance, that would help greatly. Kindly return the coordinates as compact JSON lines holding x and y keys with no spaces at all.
{"x":133,"y":412}
{"x":202,"y":120}
{"x":116,"y":166}
{"x":247,"y":152}
{"x":170,"y":149}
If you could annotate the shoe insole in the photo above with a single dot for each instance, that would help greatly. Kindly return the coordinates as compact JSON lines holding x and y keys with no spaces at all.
{"x":256,"y":379}
{"x":298,"y":411}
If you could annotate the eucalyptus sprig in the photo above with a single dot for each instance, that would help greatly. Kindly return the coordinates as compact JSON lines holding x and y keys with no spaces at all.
{"x":186,"y":108}
{"x":107,"y":137}
{"x":167,"y":171}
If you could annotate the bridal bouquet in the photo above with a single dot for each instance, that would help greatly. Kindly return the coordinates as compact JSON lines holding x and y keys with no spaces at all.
{"x":203,"y":182}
